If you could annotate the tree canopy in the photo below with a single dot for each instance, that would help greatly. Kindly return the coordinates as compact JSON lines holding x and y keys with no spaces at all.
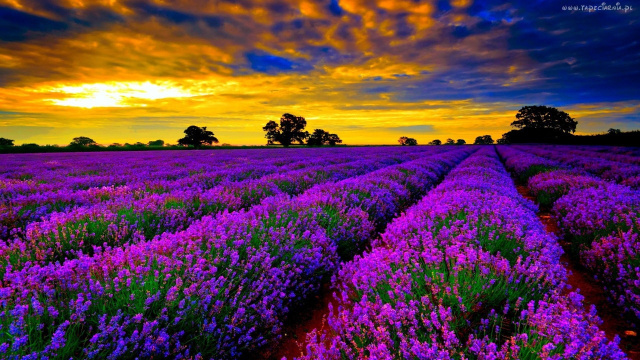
{"x":156,"y":143}
{"x":321,"y":137}
{"x":483,"y":140}
{"x":290,"y":130}
{"x":82,"y":141}
{"x":450,"y":141}
{"x":407,"y":141}
{"x":6,"y":142}
{"x":435,"y":142}
{"x":460,"y":142}
{"x":544,"y":117}
{"x":197,"y":136}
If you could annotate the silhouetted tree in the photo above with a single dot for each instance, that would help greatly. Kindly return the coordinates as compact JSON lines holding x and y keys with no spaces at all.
{"x":407,"y":141}
{"x":6,"y":142}
{"x":483,"y":140}
{"x":115,"y":145}
{"x":156,"y":143}
{"x":435,"y":142}
{"x":502,"y":141}
{"x":197,"y":136}
{"x":449,"y":142}
{"x":613,"y":131}
{"x":544,"y":117}
{"x":82,"y":141}
{"x":321,"y":137}
{"x":290,"y":130}
{"x":460,"y":142}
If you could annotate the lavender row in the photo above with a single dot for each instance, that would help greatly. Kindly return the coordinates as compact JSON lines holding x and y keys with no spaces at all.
{"x":600,"y":220}
{"x":608,"y":152}
{"x":121,"y":184}
{"x":624,"y":173}
{"x":220,"y":289}
{"x":130,"y":220}
{"x":468,"y":272}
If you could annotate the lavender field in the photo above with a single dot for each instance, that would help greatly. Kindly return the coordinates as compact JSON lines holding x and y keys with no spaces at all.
{"x":428,"y":252}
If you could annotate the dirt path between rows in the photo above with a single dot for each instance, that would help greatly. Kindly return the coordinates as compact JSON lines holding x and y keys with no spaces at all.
{"x":312,"y":316}
{"x":594,"y":294}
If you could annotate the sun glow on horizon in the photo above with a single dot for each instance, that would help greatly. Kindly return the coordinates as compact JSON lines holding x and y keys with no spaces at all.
{"x":117,"y":94}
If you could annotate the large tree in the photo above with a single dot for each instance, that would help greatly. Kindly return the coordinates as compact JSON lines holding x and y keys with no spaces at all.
{"x":460,"y":142}
{"x":407,"y":141}
{"x":321,"y":137}
{"x":435,"y":142}
{"x":197,"y":136}
{"x":290,"y":130}
{"x":544,"y":117}
{"x":82,"y":141}
{"x":6,"y":142}
{"x":483,"y":140}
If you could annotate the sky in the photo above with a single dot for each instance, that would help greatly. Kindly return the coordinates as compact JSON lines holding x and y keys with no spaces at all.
{"x":369,"y":70}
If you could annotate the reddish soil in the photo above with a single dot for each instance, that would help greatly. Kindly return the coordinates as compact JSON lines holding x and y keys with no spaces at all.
{"x":579,"y":278}
{"x":313,"y":316}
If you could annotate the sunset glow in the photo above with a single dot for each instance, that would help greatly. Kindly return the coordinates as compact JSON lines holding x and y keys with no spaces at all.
{"x":371,"y":71}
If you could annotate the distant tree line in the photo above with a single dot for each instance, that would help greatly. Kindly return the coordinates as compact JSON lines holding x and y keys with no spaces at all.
{"x":533,"y":124}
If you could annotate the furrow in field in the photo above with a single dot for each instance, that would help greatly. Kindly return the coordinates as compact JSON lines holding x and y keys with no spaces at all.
{"x":467,"y":272}
{"x":387,"y":202}
{"x":597,"y":222}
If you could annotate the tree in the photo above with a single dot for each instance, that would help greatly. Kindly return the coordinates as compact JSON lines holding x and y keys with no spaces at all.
{"x":544,"y":117}
{"x":502,"y":141}
{"x":407,"y":141}
{"x":6,"y":142}
{"x":460,"y":142}
{"x":435,"y":142}
{"x":156,"y":143}
{"x":290,"y":130}
{"x":449,"y":142}
{"x":333,"y":139}
{"x":321,"y":137}
{"x":483,"y":140}
{"x":613,"y":131}
{"x":197,"y":136}
{"x":82,"y":141}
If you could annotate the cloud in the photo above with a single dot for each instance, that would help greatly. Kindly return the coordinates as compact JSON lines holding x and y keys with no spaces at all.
{"x":17,"y":25}
{"x":413,"y":129}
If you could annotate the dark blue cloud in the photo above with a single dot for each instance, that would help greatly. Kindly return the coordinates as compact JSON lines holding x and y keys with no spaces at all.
{"x":403,"y":28}
{"x":460,"y":32}
{"x":271,"y":64}
{"x":443,"y":5}
{"x":145,"y":9}
{"x":300,"y":28}
{"x":334,"y":7}
{"x":16,"y":25}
